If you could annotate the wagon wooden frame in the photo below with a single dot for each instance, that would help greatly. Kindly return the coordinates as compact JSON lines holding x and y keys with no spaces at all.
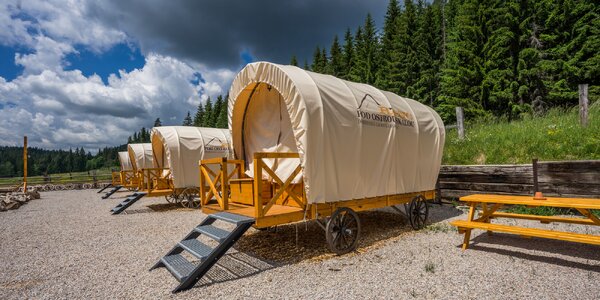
{"x":285,"y":204}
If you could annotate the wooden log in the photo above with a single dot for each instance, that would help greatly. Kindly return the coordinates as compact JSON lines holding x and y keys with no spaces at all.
{"x":486,"y":168}
{"x":570,"y":178}
{"x":490,"y":187}
{"x":569,"y":166}
{"x":583,"y":104}
{"x":497,"y":177}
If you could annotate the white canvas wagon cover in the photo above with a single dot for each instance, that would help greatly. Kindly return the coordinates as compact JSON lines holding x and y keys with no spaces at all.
{"x":140,"y":156}
{"x":180,"y":148}
{"x":124,"y":161}
{"x":354,"y":140}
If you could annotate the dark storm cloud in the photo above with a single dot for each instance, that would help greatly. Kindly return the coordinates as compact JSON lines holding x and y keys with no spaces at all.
{"x":216,"y":33}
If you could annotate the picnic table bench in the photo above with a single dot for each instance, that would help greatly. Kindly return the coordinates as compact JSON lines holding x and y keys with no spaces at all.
{"x":491,"y":203}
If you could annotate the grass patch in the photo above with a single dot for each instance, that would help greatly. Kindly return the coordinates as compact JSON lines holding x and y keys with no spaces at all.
{"x":430,"y":267}
{"x":440,"y":227}
{"x":545,"y":211}
{"x":555,"y":136}
{"x":101,"y":174}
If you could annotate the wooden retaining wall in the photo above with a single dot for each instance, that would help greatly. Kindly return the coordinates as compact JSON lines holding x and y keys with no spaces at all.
{"x":555,"y":178}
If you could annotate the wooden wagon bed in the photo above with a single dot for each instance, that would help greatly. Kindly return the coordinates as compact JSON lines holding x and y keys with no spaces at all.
{"x":280,"y":201}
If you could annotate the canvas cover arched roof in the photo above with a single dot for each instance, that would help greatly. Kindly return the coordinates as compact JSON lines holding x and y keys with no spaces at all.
{"x":140,"y":155}
{"x":124,"y":161}
{"x":180,"y":148}
{"x":354,"y":140}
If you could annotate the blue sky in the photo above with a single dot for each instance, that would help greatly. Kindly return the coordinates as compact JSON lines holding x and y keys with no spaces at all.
{"x":88,"y":73}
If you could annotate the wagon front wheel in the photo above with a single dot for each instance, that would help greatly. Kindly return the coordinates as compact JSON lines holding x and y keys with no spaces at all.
{"x":418,"y":211}
{"x":342,"y":231}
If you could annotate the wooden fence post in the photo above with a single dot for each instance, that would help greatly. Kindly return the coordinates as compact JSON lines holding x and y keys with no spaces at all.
{"x":460,"y":122}
{"x":583,"y":104}
{"x":534,"y":165}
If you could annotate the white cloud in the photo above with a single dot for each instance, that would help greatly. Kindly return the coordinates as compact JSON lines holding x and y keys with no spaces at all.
{"x":66,"y":109}
{"x":60,"y":108}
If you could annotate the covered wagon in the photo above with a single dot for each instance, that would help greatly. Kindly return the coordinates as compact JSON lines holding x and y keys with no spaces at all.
{"x":312,"y":147}
{"x":122,"y":178}
{"x":125,"y":166}
{"x":177,"y":151}
{"x":140,"y":157}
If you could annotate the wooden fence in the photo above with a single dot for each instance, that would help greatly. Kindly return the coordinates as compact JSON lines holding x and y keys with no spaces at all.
{"x":555,"y":178}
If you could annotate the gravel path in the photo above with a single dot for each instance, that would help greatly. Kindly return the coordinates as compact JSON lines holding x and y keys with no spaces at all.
{"x":67,"y":245}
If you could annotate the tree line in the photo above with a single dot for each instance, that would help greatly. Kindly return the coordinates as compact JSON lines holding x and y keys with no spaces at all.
{"x":209,"y":114}
{"x":493,"y":58}
{"x":44,"y":162}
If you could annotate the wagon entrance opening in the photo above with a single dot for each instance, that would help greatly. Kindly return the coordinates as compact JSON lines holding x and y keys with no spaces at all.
{"x":267,"y":128}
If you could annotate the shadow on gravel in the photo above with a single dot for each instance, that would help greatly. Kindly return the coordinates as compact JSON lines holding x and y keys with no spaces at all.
{"x":293,"y":243}
{"x":499,"y":243}
{"x":233,"y":266}
{"x":160,"y":207}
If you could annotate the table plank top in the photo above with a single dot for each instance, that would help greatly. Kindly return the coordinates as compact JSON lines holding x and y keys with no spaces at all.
{"x":585,"y":203}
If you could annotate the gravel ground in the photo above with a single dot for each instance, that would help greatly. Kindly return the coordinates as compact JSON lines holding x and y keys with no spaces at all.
{"x":67,"y":245}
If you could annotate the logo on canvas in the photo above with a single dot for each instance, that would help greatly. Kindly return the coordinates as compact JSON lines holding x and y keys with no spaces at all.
{"x":383,"y":116}
{"x":216,"y":145}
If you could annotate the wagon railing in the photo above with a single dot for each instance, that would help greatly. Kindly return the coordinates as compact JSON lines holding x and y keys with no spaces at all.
{"x":116,"y":178}
{"x":285,"y":185}
{"x":216,"y":184}
{"x":127,"y":176}
{"x":155,"y":178}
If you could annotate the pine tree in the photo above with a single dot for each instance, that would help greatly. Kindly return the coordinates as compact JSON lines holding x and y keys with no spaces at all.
{"x":207,"y":120}
{"x":335,"y":66}
{"x":199,"y":116}
{"x":324,"y":61}
{"x":144,"y":136}
{"x":462,"y":74}
{"x":222,"y":118}
{"x":317,"y":65}
{"x":216,"y":110}
{"x":157,"y":122}
{"x":306,"y":66}
{"x":347,"y":55}
{"x":294,"y":61}
{"x":367,"y":46}
{"x":390,"y":32}
{"x":187,"y":121}
{"x":429,"y":42}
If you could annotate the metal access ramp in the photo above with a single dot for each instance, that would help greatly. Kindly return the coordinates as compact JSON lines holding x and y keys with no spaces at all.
{"x":127,"y":203}
{"x":188,"y":273}
{"x":105,"y":187}
{"x":114,"y":190}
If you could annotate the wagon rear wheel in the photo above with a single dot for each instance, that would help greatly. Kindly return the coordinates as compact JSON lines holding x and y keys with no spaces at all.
{"x":189,"y":198}
{"x":417,"y":212}
{"x":343,"y":231}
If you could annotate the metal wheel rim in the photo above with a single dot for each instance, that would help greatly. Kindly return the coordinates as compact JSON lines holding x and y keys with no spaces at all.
{"x":418,"y":211}
{"x":343,"y":231}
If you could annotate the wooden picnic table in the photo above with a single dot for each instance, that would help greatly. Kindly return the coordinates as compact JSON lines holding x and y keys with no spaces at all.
{"x":491,"y":203}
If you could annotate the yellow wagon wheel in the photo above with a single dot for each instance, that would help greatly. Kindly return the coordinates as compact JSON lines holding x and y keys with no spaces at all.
{"x":342,"y":231}
{"x":417,"y":212}
{"x":189,"y":198}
